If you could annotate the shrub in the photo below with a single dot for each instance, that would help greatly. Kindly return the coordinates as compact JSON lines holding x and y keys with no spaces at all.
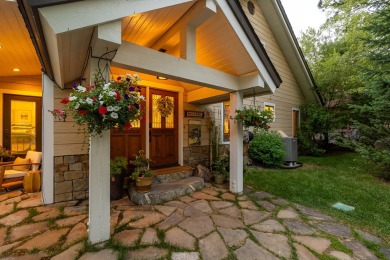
{"x":267,"y":148}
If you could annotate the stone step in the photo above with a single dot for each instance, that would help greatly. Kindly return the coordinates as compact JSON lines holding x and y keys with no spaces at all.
{"x":163,"y":192}
{"x":172,"y":174}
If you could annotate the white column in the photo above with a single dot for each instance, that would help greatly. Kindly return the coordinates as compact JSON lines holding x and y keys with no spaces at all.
{"x":236,"y":145}
{"x":99,"y":188}
{"x":47,"y":140}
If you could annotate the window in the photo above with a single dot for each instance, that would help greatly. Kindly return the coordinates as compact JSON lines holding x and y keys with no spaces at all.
{"x":271,"y":107}
{"x":226,"y":122}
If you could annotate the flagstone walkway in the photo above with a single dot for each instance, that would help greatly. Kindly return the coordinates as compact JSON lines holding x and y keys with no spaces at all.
{"x":210,"y":224}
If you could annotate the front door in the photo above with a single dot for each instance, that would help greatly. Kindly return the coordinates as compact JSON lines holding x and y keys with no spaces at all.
{"x":163,"y":131}
{"x":22,"y":123}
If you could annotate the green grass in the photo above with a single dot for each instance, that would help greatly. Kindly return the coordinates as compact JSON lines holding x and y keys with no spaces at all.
{"x":323,"y":181}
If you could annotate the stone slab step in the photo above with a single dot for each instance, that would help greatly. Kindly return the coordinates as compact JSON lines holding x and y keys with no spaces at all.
{"x":172,"y":174}
{"x":163,"y":192}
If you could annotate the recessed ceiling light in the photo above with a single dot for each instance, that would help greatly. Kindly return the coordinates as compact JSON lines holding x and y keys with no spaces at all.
{"x":16,"y":70}
{"x":10,"y":0}
{"x":1,"y":46}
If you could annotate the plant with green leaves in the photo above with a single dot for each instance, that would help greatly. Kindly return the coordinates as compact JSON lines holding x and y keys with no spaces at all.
{"x":254,"y":117}
{"x":141,"y":164}
{"x":117,"y":166}
{"x":267,"y":148}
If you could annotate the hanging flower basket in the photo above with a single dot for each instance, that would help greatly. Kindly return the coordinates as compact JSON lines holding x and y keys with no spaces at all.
{"x":103,"y":105}
{"x":165,"y":106}
{"x":254,"y":117}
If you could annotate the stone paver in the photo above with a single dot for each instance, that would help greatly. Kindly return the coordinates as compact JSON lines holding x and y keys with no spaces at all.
{"x":7,"y":247}
{"x":44,"y":240}
{"x":335,"y":229}
{"x":262,"y":195}
{"x":318,"y":244}
{"x":280,"y":201}
{"x":14,"y":218}
{"x":370,"y":237}
{"x":251,"y":251}
{"x":176,"y":203}
{"x":70,"y":253}
{"x":247,"y":204}
{"x":76,"y":233}
{"x":70,"y":221}
{"x":114,"y":217}
{"x":227,"y":222}
{"x":266,"y":205}
{"x":47,"y":214}
{"x":212,"y":247}
{"x":270,"y":226}
{"x":185,"y":256}
{"x":106,"y":254}
{"x":6,"y":209}
{"x":299,"y":227}
{"x":28,"y":230}
{"x":313,"y":214}
{"x":233,"y":237}
{"x":147,"y":221}
{"x":275,"y":242}
{"x":166,"y":210}
{"x":228,"y":196}
{"x":149,"y":253}
{"x":202,"y":205}
{"x":210,"y":191}
{"x":340,"y":255}
{"x":28,"y":203}
{"x":253,"y":216}
{"x":198,"y":226}
{"x":220,"y":204}
{"x":359,"y":250}
{"x":186,"y":199}
{"x":149,"y":237}
{"x":232,"y":211}
{"x":178,"y":237}
{"x":190,"y":211}
{"x":303,"y":253}
{"x":203,"y":196}
{"x":288,"y":213}
{"x":127,"y":237}
{"x":170,"y":221}
{"x":385,"y":252}
{"x":3,"y":234}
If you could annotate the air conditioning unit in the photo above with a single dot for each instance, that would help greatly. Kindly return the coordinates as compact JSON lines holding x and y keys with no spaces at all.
{"x":291,"y":149}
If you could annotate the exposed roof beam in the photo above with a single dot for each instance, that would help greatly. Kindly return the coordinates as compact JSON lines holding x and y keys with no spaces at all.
{"x":77,"y":15}
{"x":203,"y":94}
{"x":198,"y":14}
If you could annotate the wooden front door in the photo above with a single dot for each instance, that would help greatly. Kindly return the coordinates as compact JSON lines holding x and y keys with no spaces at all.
{"x":22,"y":123}
{"x":163,"y":131}
{"x":129,"y":142}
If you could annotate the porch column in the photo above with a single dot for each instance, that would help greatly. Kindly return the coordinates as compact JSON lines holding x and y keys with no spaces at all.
{"x":236,"y":145}
{"x":47,"y":140}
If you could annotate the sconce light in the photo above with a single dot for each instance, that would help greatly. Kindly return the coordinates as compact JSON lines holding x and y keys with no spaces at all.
{"x":161,"y":78}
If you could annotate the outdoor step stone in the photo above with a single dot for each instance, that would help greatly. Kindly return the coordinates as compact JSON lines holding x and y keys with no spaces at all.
{"x":340,"y":255}
{"x":280,"y":201}
{"x":253,"y":216}
{"x":150,"y":253}
{"x":266,"y":205}
{"x":166,"y":210}
{"x":127,"y":237}
{"x":220,"y":204}
{"x":147,"y":220}
{"x":288,"y":213}
{"x":228,"y":196}
{"x":70,"y":253}
{"x":270,"y":226}
{"x":14,"y":218}
{"x":198,"y":226}
{"x":173,"y":177}
{"x":70,"y":221}
{"x":178,"y":237}
{"x":163,"y":192}
{"x":370,"y":237}
{"x":303,"y":253}
{"x":202,"y":205}
{"x":247,"y":204}
{"x":212,"y":247}
{"x":251,"y":251}
{"x":314,"y":214}
{"x":274,"y":242}
{"x":76,"y":233}
{"x":262,"y":195}
{"x":185,"y":256}
{"x":227,"y":222}
{"x":233,"y":237}
{"x":203,"y":196}
{"x":106,"y":254}
{"x":3,"y":235}
{"x":232,"y":211}
{"x":359,"y":250}
{"x":44,"y":240}
{"x":335,"y":229}
{"x":149,"y":237}
{"x":170,"y":221}
{"x":299,"y":227}
{"x":318,"y":244}
{"x":28,"y":230}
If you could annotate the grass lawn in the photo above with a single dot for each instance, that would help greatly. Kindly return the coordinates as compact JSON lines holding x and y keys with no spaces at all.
{"x":323,"y":181}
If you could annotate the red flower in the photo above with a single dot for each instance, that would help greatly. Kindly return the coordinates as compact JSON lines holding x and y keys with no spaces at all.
{"x":268,"y":126}
{"x":94,"y":98}
{"x":118,"y":95}
{"x":130,"y":107}
{"x":102,"y":110}
{"x":127,"y":126}
{"x":65,"y":100}
{"x":82,"y":112}
{"x":119,"y":78}
{"x":90,"y":87}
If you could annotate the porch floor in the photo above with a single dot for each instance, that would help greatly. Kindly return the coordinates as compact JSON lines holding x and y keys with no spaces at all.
{"x":210,"y":224}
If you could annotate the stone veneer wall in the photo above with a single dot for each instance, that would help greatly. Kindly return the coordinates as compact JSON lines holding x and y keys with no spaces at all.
{"x":194,"y":155}
{"x":71,"y":177}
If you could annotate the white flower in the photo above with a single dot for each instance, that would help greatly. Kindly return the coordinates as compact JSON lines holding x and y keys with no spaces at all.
{"x":110,"y":109}
{"x":116,"y":108}
{"x":142,"y":98}
{"x":71,"y":98}
{"x":89,"y":100}
{"x":81,"y":88}
{"x":265,"y":117}
{"x":114,"y":115}
{"x":107,"y":85}
{"x":112,"y":93}
{"x":101,"y":96}
{"x":101,"y":102}
{"x":77,"y":106}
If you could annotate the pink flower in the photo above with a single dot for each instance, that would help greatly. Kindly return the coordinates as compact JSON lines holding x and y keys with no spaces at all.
{"x":102,"y":110}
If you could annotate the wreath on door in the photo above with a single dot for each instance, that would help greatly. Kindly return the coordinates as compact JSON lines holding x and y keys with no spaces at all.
{"x":165,"y":106}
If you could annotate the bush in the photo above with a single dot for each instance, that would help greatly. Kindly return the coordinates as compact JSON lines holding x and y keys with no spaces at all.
{"x":267,"y":148}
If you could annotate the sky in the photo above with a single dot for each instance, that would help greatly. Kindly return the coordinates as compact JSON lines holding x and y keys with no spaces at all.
{"x":303,"y":14}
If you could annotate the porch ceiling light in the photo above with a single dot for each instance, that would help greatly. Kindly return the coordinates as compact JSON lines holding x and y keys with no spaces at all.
{"x":161,"y":78}
{"x":15,"y":69}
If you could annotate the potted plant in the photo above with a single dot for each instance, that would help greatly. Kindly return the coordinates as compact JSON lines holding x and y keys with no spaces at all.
{"x":220,"y":169}
{"x":254,"y":117}
{"x":118,"y":167}
{"x":142,"y":175}
{"x":5,"y":154}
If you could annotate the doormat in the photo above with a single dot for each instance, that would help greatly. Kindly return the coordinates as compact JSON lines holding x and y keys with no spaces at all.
{"x":173,"y":170}
{"x":343,"y":207}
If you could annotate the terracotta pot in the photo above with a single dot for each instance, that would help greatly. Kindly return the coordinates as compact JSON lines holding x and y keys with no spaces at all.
{"x":144,"y":184}
{"x":32,"y":181}
{"x":219,"y":179}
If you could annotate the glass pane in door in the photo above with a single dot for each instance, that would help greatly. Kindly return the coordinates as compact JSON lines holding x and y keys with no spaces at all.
{"x":23,"y":126}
